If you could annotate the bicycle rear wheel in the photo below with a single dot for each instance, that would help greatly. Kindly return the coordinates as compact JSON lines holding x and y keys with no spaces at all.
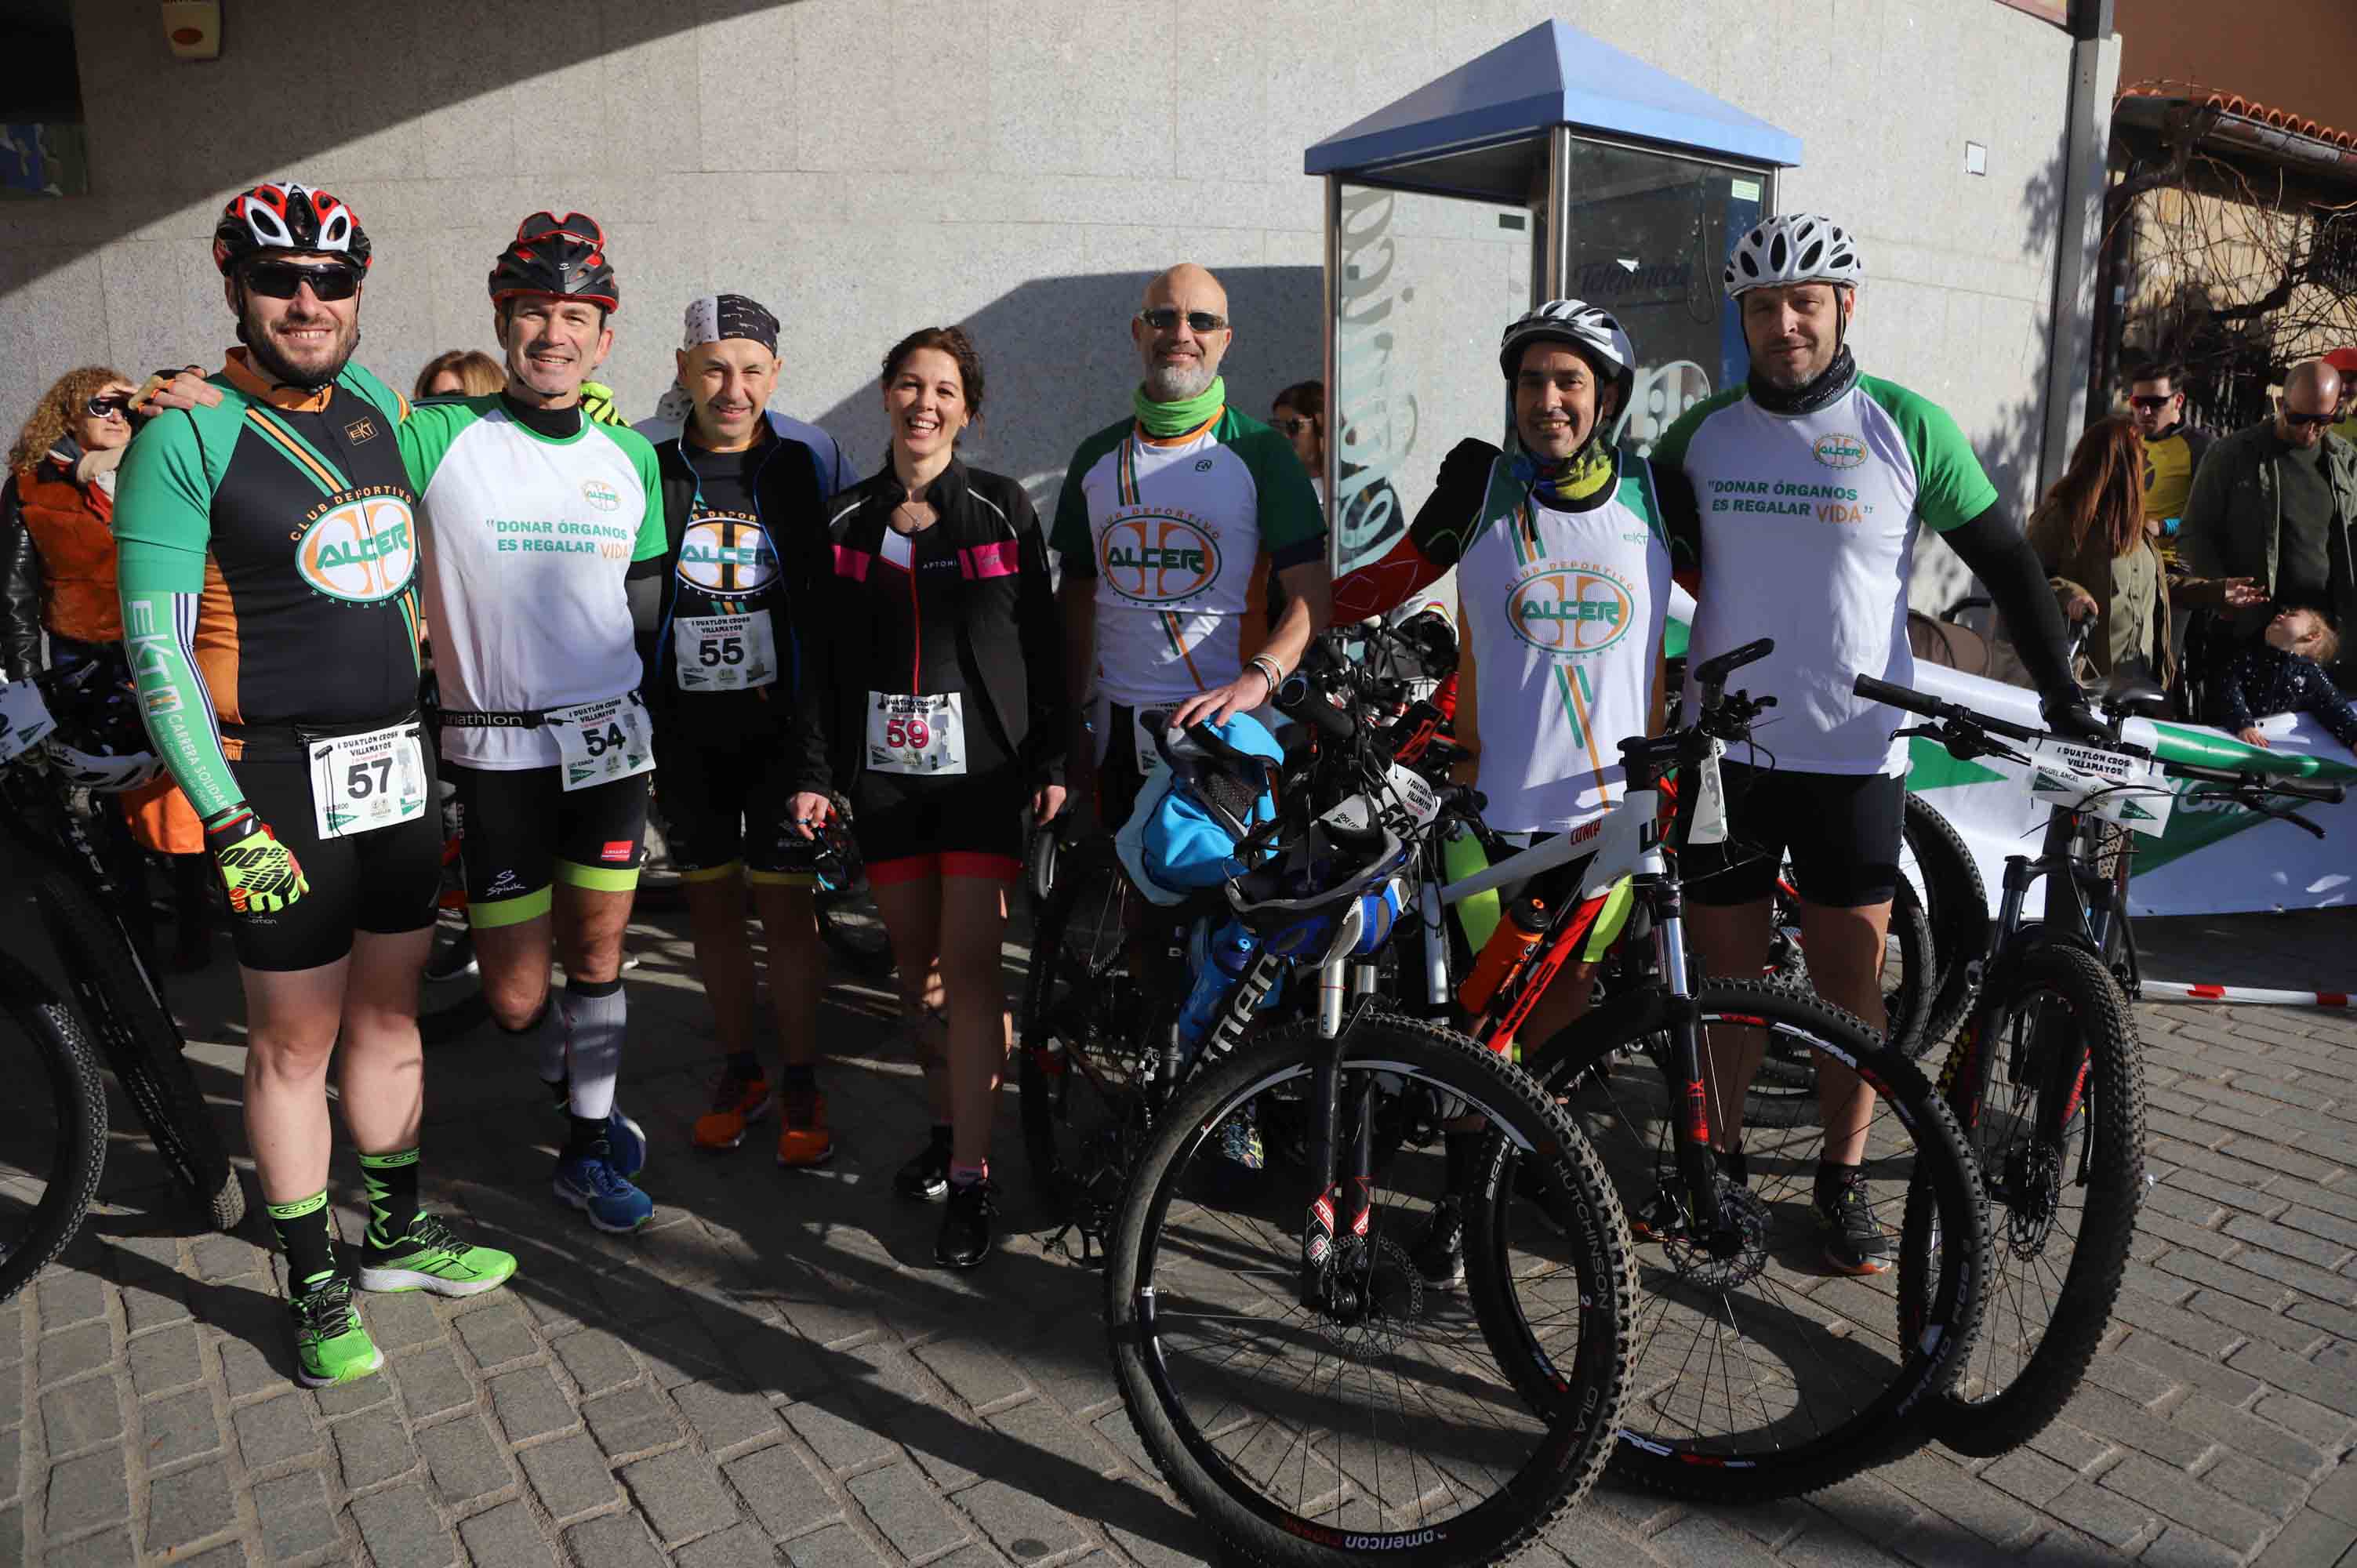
{"x":49,"y":1170}
{"x":2063,"y":1207}
{"x":1759,"y":1374}
{"x":1083,"y":1039}
{"x":1957,"y":900}
{"x":1376,"y":1423}
{"x":143,"y":1044}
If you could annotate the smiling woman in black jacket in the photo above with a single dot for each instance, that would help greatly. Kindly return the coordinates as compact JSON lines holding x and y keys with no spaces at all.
{"x":935,"y":706}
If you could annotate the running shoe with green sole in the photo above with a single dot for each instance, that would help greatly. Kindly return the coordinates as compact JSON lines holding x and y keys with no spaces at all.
{"x":430,"y":1257}
{"x":331,"y":1345}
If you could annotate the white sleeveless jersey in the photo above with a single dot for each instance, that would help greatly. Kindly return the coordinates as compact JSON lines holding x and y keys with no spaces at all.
{"x":1564,"y":612}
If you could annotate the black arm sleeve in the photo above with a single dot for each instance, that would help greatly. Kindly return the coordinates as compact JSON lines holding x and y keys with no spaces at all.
{"x":1681,"y":518}
{"x":1992,"y":546}
{"x":20,"y":591}
{"x":1039,"y":626}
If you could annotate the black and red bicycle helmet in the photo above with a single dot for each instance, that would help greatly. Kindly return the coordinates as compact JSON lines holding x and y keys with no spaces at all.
{"x":562,"y":257}
{"x":287,"y":217}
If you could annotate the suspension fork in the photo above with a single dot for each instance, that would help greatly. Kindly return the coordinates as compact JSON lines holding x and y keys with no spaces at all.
{"x":1688,"y":1066}
{"x":1342,"y":1207}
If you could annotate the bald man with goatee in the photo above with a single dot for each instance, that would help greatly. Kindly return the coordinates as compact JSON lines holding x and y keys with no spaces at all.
{"x":2277,"y":502}
{"x":1163,"y":517}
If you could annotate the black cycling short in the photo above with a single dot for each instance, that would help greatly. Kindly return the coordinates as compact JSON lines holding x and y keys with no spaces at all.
{"x":1841,"y":830}
{"x":727,"y":800}
{"x":910,"y":828}
{"x":520,"y":831}
{"x":384,"y":882}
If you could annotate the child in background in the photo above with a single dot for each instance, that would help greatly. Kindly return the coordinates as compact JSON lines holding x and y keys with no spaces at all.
{"x":2285,"y":675}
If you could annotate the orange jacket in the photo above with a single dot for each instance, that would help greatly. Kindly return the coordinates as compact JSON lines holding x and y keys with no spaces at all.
{"x":72,"y":527}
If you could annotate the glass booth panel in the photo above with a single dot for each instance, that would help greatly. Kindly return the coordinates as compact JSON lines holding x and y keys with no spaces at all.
{"x":1648,"y":237}
{"x":1423,"y":287}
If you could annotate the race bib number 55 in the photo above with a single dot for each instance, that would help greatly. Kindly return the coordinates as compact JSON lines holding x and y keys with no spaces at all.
{"x":724,"y":653}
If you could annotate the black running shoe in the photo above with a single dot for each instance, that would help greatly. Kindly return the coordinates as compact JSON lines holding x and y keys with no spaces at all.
{"x":966,"y":1226}
{"x":1855,"y":1241}
{"x":1439,"y":1256}
{"x":926,"y":1178}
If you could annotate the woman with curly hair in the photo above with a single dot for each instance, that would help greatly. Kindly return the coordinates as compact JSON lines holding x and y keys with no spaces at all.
{"x":57,"y":575}
{"x":460,"y":372}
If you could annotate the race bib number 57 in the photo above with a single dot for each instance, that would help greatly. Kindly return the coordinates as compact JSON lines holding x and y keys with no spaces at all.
{"x":363,"y":782}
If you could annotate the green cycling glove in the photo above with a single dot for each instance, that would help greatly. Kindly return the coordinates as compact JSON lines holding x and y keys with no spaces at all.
{"x":598,"y":403}
{"x":260,"y":874}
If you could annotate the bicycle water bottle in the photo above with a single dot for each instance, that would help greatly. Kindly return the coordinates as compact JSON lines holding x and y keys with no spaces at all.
{"x":1526,"y":922}
{"x":1226,"y":955}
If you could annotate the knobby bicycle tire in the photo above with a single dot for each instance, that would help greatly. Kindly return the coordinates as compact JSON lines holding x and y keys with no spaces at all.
{"x":78,"y":1100}
{"x":1567,"y":1448}
{"x":1056,"y":1021}
{"x":1958,"y":901}
{"x":1896,"y":1354}
{"x":143,"y":1044}
{"x":1784,"y":1094}
{"x":1973,"y":1418}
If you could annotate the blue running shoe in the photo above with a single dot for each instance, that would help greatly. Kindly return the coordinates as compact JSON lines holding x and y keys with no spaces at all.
{"x":626,"y":1140}
{"x":591,"y":1184}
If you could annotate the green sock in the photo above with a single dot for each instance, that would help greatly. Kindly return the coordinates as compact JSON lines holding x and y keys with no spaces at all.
{"x":308,"y":1236}
{"x":392,"y":1195}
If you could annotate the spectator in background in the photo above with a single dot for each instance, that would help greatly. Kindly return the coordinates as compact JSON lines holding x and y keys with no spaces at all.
{"x":2173,"y":449}
{"x":57,"y":576}
{"x":2097,"y":543}
{"x":2277,"y":502}
{"x":2285,"y":674}
{"x":461,"y":372}
{"x":2345,"y":361}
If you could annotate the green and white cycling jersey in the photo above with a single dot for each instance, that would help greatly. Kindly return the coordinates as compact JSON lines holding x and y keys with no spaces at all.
{"x":1803,"y":531}
{"x":528,"y":539}
{"x":1172,"y":531}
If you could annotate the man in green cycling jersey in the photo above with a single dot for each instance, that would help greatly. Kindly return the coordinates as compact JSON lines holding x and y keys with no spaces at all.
{"x":1797,"y":498}
{"x":544,"y":545}
{"x":268,"y":551}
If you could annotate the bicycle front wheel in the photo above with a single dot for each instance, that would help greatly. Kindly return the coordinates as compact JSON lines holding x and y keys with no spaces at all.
{"x":143,"y":1044}
{"x":49,"y":1170}
{"x":1763,"y":1367}
{"x":2064,"y":1182}
{"x":1371,"y":1419}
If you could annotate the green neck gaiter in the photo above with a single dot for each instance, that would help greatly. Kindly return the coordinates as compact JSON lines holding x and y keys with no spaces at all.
{"x":1168,"y":419}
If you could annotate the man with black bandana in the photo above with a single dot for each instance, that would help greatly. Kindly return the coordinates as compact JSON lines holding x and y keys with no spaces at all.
{"x":740,"y":488}
{"x":1796,"y":499}
{"x":544,"y":550}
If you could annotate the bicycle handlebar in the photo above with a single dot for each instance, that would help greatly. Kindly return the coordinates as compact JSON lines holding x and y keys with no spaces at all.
{"x":1913,"y":702}
{"x":2319,"y":789}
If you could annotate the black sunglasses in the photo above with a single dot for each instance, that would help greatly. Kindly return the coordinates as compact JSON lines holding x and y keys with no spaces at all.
{"x":1292,"y":426}
{"x":1162,"y":318}
{"x":108,"y":406}
{"x":2297,"y":419}
{"x":2151,"y":404}
{"x":279,"y":280}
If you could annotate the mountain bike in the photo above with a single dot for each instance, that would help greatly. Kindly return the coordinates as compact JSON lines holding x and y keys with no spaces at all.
{"x":49,"y":1168}
{"x":1753,"y":1375}
{"x":113,"y":986}
{"x":1281,"y":1359}
{"x":2046,"y":1075}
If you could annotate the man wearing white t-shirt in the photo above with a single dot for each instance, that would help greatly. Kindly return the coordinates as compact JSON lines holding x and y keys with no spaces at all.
{"x":1797,"y":498}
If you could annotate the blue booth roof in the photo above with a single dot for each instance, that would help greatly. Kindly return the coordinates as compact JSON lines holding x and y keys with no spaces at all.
{"x":1552,"y":75}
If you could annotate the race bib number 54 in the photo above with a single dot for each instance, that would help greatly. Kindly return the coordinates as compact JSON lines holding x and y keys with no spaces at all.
{"x":601,"y":742}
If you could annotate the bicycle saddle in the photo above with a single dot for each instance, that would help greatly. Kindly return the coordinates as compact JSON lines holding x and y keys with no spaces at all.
{"x":2131,"y":696}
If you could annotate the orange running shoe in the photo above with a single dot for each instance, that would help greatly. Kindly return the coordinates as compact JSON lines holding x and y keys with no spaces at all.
{"x":735,"y":1103}
{"x":803,"y":1141}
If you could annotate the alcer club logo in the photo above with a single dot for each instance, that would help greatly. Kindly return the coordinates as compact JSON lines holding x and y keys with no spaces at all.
{"x":361,"y":550}
{"x":1839,"y":451}
{"x":1157,"y":557}
{"x":601,"y":495}
{"x":727,"y":555}
{"x":1571,"y":611}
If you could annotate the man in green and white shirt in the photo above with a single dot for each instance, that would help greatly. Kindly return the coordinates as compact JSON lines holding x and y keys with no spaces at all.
{"x":1796,"y":499}
{"x":1162,"y":520}
{"x":542,"y":565}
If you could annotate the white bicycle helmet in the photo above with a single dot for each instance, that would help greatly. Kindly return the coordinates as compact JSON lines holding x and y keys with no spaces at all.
{"x":1794,"y":247}
{"x":102,"y":773}
{"x":1589,"y":329}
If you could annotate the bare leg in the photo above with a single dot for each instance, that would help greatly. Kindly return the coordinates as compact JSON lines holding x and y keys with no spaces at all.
{"x":382,"y":1073}
{"x":1845,"y":952}
{"x":974,"y":924}
{"x":290,"y":1022}
{"x":796,"y":967}
{"x":912,"y":919}
{"x":724,"y":953}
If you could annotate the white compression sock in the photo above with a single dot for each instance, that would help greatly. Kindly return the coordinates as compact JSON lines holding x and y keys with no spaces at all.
{"x":595,"y":1013}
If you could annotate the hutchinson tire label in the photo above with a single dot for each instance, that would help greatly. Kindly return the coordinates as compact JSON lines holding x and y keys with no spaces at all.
{"x":1157,"y":557}
{"x":361,"y":550}
{"x":1570,"y":612}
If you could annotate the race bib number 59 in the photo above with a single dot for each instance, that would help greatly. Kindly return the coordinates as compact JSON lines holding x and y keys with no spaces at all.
{"x":916,"y":733}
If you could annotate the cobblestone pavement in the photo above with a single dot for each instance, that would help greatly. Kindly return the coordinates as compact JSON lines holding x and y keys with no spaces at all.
{"x":776,"y":1370}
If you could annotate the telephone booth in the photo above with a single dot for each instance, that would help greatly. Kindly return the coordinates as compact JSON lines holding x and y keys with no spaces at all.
{"x":1554,"y":165}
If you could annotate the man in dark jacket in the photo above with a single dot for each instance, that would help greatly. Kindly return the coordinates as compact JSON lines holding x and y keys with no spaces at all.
{"x":2277,"y":502}
{"x":739,"y":485}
